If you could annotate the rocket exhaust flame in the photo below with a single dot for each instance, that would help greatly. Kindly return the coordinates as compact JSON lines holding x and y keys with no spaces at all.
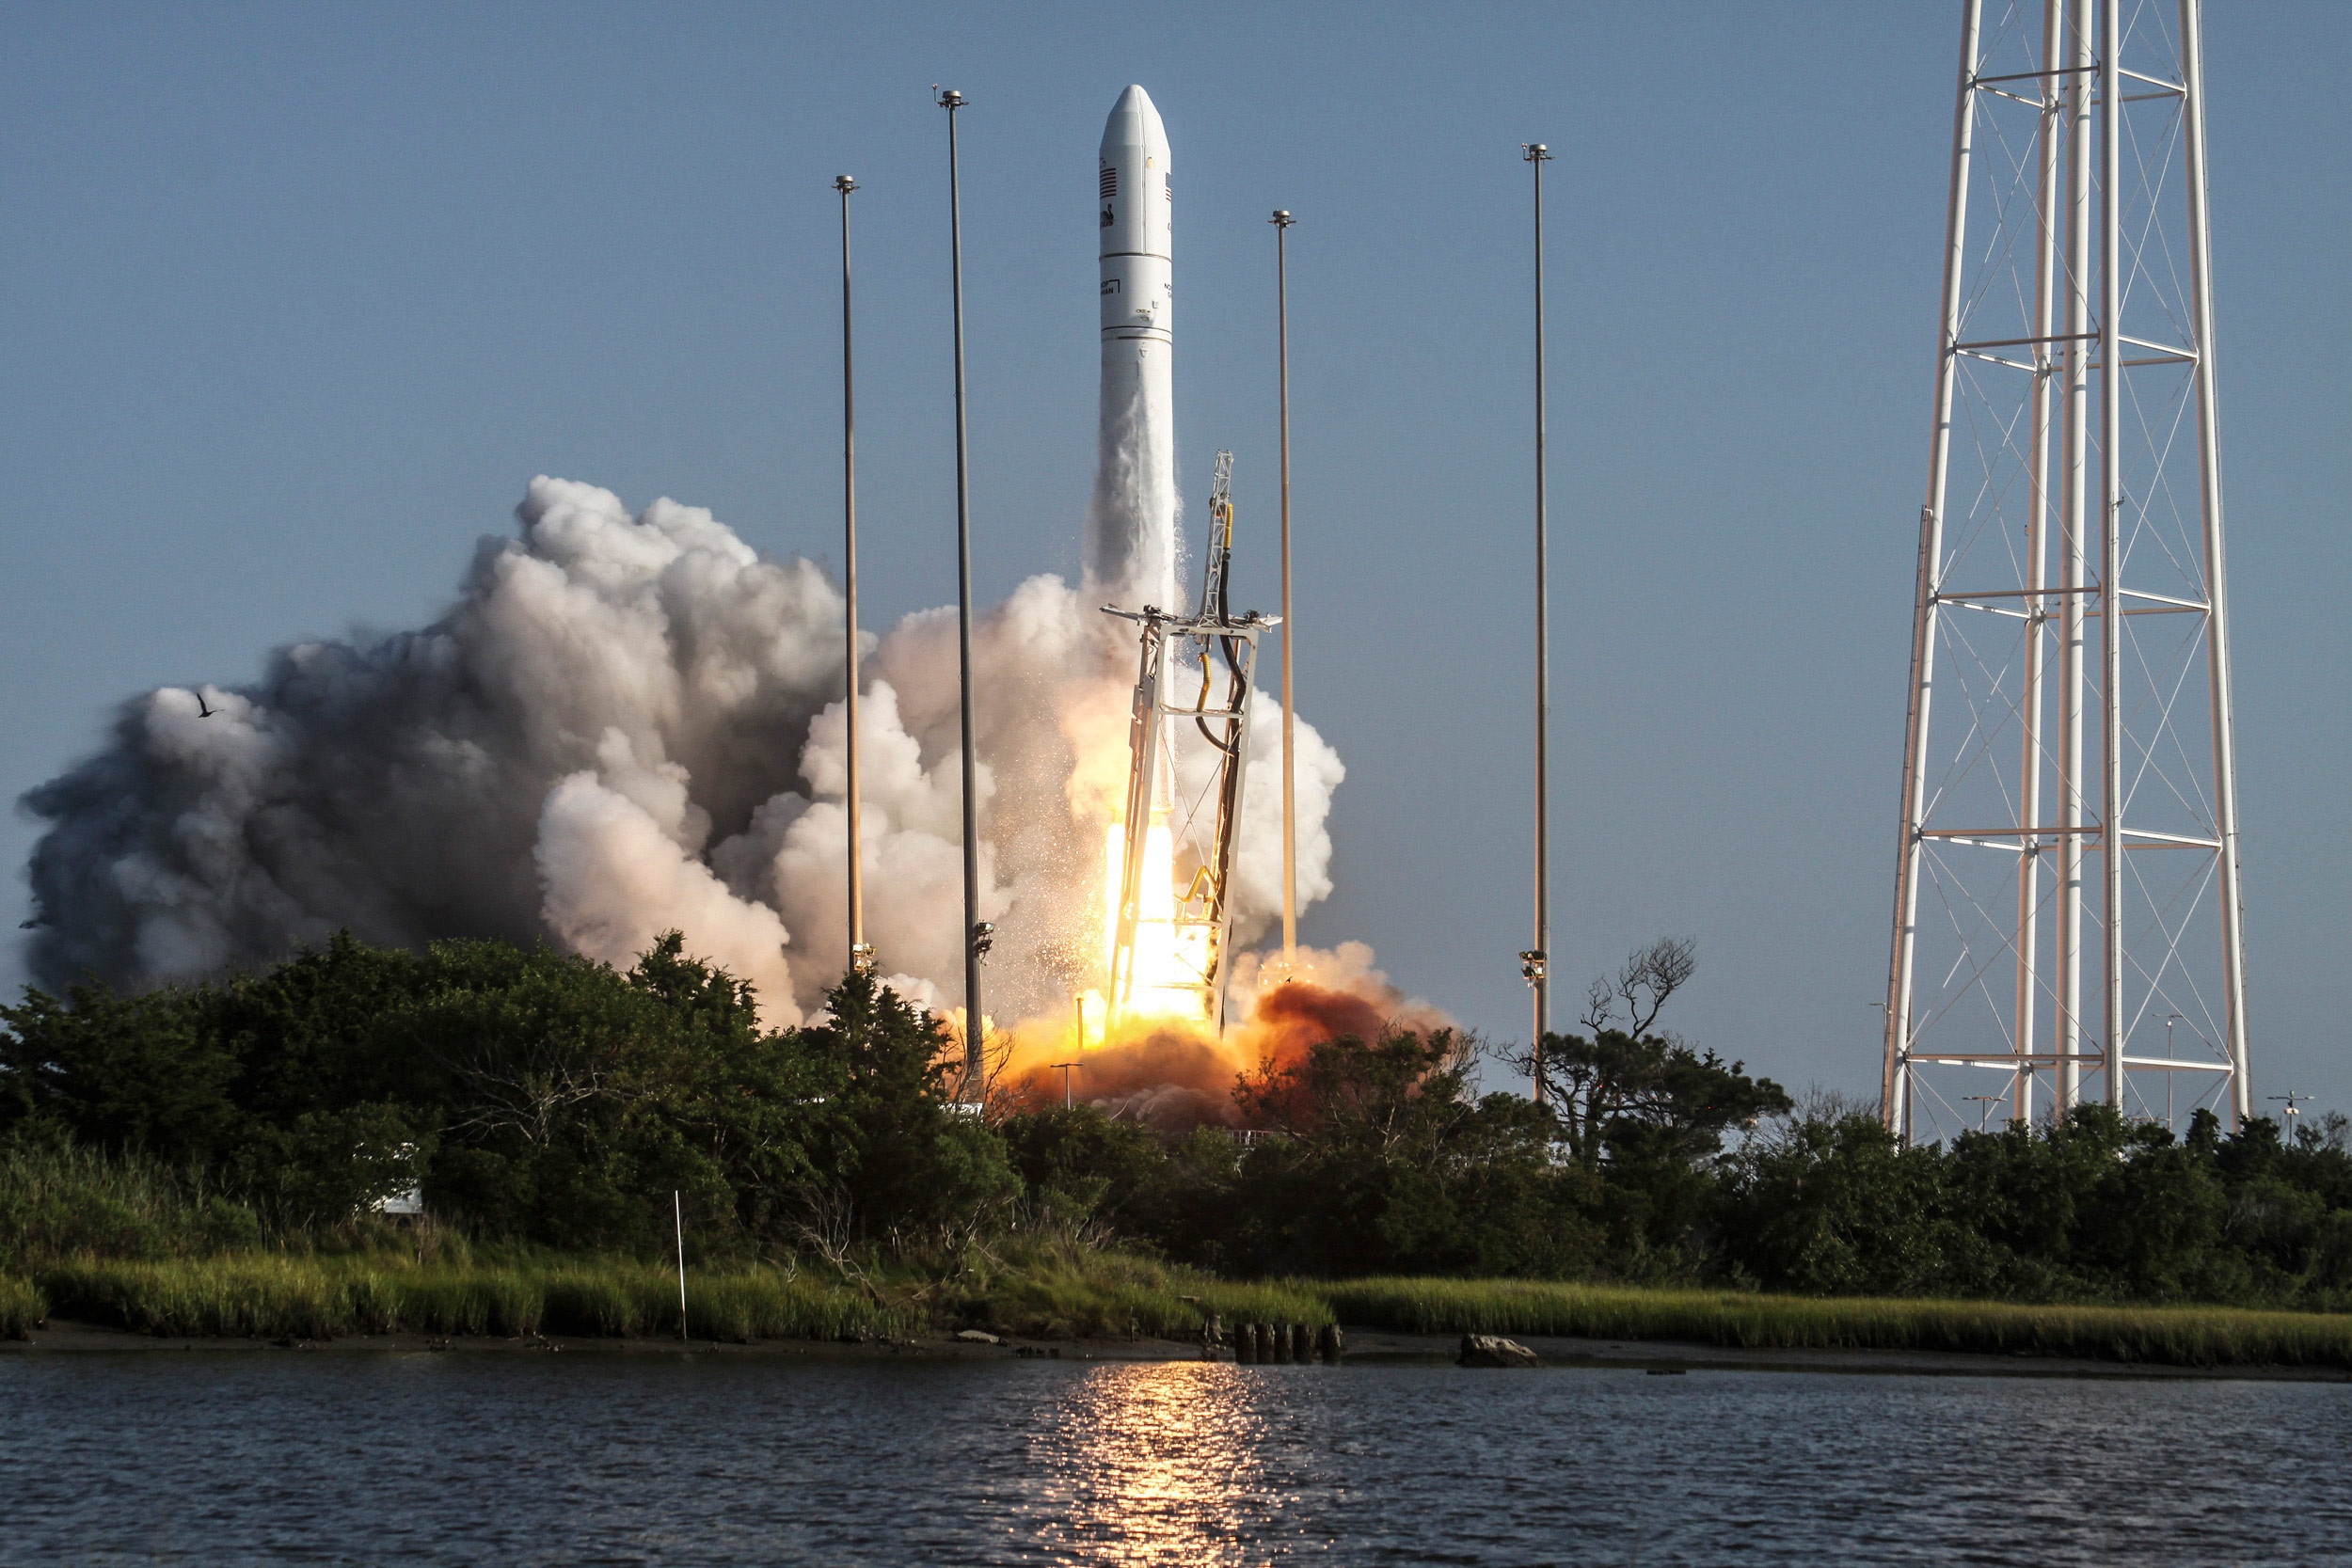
{"x":1175,"y":1073}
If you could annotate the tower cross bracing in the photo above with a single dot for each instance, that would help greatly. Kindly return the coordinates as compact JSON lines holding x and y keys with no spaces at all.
{"x":2067,"y":882}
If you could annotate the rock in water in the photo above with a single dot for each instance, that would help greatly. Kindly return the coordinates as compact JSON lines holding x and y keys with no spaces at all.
{"x":1488,"y":1349}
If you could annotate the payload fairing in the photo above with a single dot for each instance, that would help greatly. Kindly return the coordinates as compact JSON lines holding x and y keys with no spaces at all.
{"x":1134,"y":551}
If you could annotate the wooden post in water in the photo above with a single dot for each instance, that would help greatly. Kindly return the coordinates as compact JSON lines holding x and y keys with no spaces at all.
{"x":1331,"y":1344}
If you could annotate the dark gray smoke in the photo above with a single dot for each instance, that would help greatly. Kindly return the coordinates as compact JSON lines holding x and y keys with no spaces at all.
{"x":623,"y":725}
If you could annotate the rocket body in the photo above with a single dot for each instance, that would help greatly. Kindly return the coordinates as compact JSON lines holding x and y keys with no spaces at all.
{"x":1132,"y":553}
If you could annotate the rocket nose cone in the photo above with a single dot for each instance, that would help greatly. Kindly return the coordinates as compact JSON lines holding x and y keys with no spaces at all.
{"x":1134,"y":120}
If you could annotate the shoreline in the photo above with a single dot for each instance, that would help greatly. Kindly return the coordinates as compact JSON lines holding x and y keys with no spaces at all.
{"x":1366,"y":1347}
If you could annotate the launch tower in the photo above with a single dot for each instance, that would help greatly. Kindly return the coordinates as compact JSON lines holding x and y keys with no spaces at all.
{"x":1171,"y":858}
{"x":2067,"y":910}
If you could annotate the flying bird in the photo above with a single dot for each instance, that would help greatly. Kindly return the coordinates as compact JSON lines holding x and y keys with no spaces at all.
{"x":204,"y":710}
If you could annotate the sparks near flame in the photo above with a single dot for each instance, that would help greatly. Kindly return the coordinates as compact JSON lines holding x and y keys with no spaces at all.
{"x":1175,"y":1073}
{"x":1167,"y":960}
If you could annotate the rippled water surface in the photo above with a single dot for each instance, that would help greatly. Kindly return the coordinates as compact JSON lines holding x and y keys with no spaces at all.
{"x":586,"y":1458}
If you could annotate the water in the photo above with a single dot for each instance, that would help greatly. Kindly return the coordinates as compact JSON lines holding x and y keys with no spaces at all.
{"x":324,"y":1457}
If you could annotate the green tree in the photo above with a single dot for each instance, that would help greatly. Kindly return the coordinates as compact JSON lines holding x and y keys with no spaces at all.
{"x":1386,"y":1161}
{"x":892,"y":1156}
{"x":1077,"y":1163}
{"x":120,"y":1072}
{"x":572,"y":1100}
{"x":1837,"y":1206}
{"x":1628,"y":1093}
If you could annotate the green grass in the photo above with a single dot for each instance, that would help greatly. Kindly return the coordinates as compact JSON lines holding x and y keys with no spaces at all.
{"x":1039,"y":1291}
{"x":57,"y":1201}
{"x":276,"y":1295}
{"x":1053,"y":1292}
{"x":121,"y":1240}
{"x":23,"y":1307}
{"x":2170,"y":1336}
{"x":1059,"y":1290}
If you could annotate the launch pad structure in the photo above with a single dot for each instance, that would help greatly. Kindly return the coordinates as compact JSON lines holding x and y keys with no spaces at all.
{"x":2067,"y":906}
{"x":1171,"y":949}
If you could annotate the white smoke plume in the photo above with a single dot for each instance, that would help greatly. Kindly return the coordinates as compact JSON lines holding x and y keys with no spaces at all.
{"x":624,"y":725}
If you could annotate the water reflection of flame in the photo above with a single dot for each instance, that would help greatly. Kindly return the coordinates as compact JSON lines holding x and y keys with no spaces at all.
{"x":1163,"y":1463}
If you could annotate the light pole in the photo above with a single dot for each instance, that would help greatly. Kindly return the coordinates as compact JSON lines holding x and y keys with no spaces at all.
{"x":2170,"y":1020}
{"x":2295,"y":1099}
{"x":1536,"y":962}
{"x":861,"y":955}
{"x":977,"y":932}
{"x":1282,"y":221}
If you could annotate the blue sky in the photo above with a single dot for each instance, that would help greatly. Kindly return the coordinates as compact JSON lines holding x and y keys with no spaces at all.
{"x":300,"y":296}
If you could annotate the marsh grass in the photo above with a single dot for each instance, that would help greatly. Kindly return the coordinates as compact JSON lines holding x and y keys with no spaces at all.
{"x":1060,"y":1293}
{"x":119,"y":1239}
{"x":276,"y":1295}
{"x":2170,"y":1336}
{"x":63,"y":1199}
{"x":1050,"y":1284}
{"x":23,"y":1307}
{"x":1038,"y":1293}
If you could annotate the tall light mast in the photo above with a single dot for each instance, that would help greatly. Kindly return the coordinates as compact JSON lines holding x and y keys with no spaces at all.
{"x":977,"y":932}
{"x":1535,"y":963}
{"x":1282,"y":221}
{"x":861,"y":955}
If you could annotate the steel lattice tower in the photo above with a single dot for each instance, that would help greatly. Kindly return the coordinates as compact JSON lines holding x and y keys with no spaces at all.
{"x":2067,"y":907}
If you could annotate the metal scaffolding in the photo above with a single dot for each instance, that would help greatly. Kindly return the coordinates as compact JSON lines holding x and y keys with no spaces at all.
{"x":2045,"y":534}
{"x":1185,"y":791}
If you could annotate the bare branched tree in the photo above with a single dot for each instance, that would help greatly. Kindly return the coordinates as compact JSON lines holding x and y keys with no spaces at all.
{"x":524,"y":1090}
{"x":1815,"y":1104}
{"x":1648,"y":978}
{"x":1625,"y":1082}
{"x":827,"y":1225}
{"x":999,"y":1098}
{"x":996,"y":1097}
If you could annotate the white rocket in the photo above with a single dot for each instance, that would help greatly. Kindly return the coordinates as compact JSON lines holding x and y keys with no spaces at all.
{"x":1134,"y":555}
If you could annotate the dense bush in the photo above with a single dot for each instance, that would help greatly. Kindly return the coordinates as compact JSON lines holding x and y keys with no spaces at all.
{"x":1385,"y":1162}
{"x":534,"y":1096}
{"x":2090,"y":1207}
{"x":545,"y":1102}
